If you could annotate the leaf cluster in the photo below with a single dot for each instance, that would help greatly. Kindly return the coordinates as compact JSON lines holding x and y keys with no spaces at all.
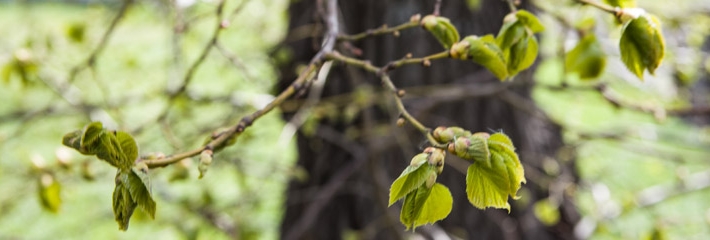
{"x":120,"y":150}
{"x":495,"y":174}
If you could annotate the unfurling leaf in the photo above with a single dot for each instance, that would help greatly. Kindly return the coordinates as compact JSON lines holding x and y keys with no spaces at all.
{"x":205,"y":161}
{"x":522,"y":54}
{"x":422,"y":171}
{"x":586,"y":59}
{"x":128,"y":146}
{"x":472,"y":148}
{"x":411,"y":178}
{"x":530,"y":21}
{"x":426,"y":205}
{"x":49,"y":192}
{"x":642,"y":45}
{"x":123,"y":204}
{"x":517,"y":41}
{"x":116,"y":148}
{"x":442,"y":29}
{"x":132,"y":190}
{"x":140,"y":188}
{"x":511,"y":33}
{"x":484,"y":51}
{"x":489,"y":183}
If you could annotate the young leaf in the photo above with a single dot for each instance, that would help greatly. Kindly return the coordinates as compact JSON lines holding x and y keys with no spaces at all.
{"x":132,"y":190}
{"x":488,"y":184}
{"x":91,"y":133}
{"x":642,"y":45}
{"x":442,"y":29}
{"x":530,"y":21}
{"x":73,"y":140}
{"x":485,"y":51}
{"x":472,"y":148}
{"x":139,"y":188}
{"x":128,"y":146}
{"x":522,"y":54}
{"x":109,"y":150}
{"x":411,"y":178}
{"x":426,"y":205}
{"x":49,"y":192}
{"x":586,"y":59}
{"x":511,"y":33}
{"x":123,"y":204}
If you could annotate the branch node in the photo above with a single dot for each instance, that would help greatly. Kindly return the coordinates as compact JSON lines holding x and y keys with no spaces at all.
{"x":426,"y":63}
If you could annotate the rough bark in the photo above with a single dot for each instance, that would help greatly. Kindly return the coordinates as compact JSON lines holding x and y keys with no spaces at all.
{"x":350,"y":164}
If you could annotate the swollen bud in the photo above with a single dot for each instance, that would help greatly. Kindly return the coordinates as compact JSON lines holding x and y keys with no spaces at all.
{"x":445,"y":135}
{"x":442,"y":29}
{"x":436,"y":158}
{"x":205,"y":161}
{"x":472,"y":148}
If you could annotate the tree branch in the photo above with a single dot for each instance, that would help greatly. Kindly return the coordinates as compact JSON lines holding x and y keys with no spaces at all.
{"x":381,"y":30}
{"x":601,"y":6}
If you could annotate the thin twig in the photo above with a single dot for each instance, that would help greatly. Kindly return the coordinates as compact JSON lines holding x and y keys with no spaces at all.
{"x":511,"y":5}
{"x":437,"y":8}
{"x":221,"y":138}
{"x":379,"y":31}
{"x":600,"y":6}
{"x":203,"y":55}
{"x":305,"y":110}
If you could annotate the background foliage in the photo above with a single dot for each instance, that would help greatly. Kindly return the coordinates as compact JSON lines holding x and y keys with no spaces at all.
{"x":644,"y":170}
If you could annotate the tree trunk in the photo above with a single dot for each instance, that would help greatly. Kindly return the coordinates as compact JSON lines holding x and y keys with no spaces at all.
{"x":353,"y":156}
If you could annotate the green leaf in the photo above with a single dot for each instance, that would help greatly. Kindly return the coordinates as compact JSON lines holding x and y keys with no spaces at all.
{"x":522,"y":54}
{"x":411,"y":178}
{"x":586,"y":59}
{"x":642,"y":45}
{"x":489,"y":183}
{"x":529,"y":20}
{"x":485,"y":51}
{"x":474,"y":148}
{"x":91,"y":133}
{"x":123,"y":204}
{"x":109,"y":150}
{"x":442,"y":29}
{"x":128,"y":146}
{"x":426,"y":205}
{"x":49,"y":192}
{"x":73,"y":140}
{"x":139,"y":188}
{"x":511,"y":33}
{"x":132,"y":190}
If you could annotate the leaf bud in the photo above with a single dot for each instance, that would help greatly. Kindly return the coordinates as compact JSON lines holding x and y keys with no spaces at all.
{"x":205,"y":161}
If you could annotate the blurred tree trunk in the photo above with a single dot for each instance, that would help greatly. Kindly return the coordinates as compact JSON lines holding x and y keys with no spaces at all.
{"x":353,"y":157}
